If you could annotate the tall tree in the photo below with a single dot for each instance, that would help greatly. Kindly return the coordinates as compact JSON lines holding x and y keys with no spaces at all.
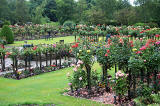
{"x":50,"y":10}
{"x":4,"y":10}
{"x":22,"y":12}
{"x":65,"y":10}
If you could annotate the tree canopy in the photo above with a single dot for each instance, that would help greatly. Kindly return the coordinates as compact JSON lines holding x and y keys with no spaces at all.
{"x":88,"y":11}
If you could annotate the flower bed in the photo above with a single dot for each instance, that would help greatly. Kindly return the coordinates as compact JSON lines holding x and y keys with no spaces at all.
{"x":138,"y":64}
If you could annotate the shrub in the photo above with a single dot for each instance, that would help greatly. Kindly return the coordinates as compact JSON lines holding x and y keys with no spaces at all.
{"x":6,"y":23}
{"x":140,"y":24}
{"x":7,"y":34}
{"x":69,"y":24}
{"x":152,"y":24}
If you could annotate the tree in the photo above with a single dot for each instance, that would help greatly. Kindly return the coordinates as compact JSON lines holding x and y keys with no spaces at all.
{"x":22,"y":12}
{"x":81,"y":7}
{"x":7,"y":34}
{"x":94,"y":16}
{"x":50,"y":10}
{"x":4,"y":10}
{"x":65,"y":10}
{"x":37,"y":14}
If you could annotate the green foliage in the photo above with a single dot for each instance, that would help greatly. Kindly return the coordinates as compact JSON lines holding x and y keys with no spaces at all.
{"x":6,"y":23}
{"x":69,"y":24}
{"x":140,"y":24}
{"x":152,"y":24}
{"x":7,"y":34}
{"x":65,"y":10}
{"x":144,"y":93}
{"x":120,"y":84}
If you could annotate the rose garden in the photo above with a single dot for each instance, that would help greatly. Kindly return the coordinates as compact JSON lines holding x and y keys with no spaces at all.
{"x":80,"y":65}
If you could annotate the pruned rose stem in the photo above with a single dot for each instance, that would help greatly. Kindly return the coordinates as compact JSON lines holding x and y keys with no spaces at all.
{"x":36,"y":60}
{"x":25,"y":63}
{"x":129,"y":83}
{"x":155,"y":79}
{"x":142,"y":75}
{"x":29,"y":60}
{"x":148,"y":78}
{"x":16,"y":65}
{"x":134,"y":84}
{"x":104,"y":79}
{"x":50,"y":57}
{"x":115,"y":69}
{"x":46,"y":59}
{"x":40,"y":60}
{"x":71,"y":88}
{"x":3,"y":63}
{"x":60,"y":59}
{"x":56,"y":57}
{"x":88,"y":68}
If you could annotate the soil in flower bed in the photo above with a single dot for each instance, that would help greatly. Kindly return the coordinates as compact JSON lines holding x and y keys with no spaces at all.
{"x":29,"y":73}
{"x":100,"y":95}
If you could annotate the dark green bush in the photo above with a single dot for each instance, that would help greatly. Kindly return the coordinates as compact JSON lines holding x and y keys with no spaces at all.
{"x":7,"y":34}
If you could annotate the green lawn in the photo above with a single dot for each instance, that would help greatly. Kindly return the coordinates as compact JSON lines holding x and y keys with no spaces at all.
{"x":68,"y":39}
{"x":42,"y":89}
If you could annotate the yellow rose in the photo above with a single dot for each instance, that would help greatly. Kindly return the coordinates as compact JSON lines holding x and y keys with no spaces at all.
{"x":88,"y":51}
{"x":134,"y":49}
{"x":100,"y":39}
{"x":80,"y":50}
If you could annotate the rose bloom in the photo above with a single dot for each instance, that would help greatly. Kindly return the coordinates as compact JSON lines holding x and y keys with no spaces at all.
{"x":68,"y":74}
{"x":80,"y":78}
{"x":88,"y":51}
{"x":143,"y":48}
{"x":69,"y":84}
{"x":80,"y":62}
{"x":134,"y":49}
{"x":138,"y":52}
{"x":75,"y":69}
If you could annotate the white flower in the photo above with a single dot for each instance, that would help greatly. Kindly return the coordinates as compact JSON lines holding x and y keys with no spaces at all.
{"x":80,"y":78}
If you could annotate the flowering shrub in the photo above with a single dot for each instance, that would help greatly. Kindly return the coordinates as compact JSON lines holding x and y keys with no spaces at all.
{"x":120,"y":85}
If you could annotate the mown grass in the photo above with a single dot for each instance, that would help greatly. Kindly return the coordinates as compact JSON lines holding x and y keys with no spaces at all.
{"x":42,"y":89}
{"x":68,"y":39}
